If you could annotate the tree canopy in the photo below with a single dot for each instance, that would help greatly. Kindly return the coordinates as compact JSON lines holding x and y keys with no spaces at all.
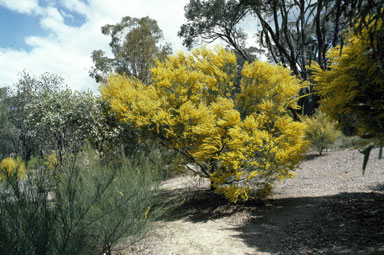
{"x":213,"y":20}
{"x":135,"y":43}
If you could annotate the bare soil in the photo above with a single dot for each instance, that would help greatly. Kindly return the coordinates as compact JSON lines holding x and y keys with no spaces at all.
{"x":329,"y":208}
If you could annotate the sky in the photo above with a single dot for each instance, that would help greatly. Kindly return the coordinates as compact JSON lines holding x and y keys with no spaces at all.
{"x":58,"y":36}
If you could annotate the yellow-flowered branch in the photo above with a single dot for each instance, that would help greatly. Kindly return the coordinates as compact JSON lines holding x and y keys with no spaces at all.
{"x":352,"y":89}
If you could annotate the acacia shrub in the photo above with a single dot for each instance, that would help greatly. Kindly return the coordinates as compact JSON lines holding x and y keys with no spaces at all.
{"x":320,"y":131}
{"x":240,"y":140}
{"x":353,"y":86}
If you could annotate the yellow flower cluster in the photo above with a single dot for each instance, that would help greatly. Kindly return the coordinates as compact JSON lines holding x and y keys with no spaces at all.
{"x":241,"y":141}
{"x":51,"y":161}
{"x":321,"y":131}
{"x":354,"y":84}
{"x":11,"y":167}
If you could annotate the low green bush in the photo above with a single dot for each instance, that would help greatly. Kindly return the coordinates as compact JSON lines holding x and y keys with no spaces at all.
{"x":344,"y":142}
{"x":81,"y":206}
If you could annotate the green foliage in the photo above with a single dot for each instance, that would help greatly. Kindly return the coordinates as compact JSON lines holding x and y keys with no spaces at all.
{"x":110,"y":135}
{"x":344,"y":142}
{"x":320,"y":131}
{"x":13,"y":107}
{"x":41,"y":115}
{"x":63,"y":120}
{"x":55,"y":118}
{"x":135,"y":44}
{"x":8,"y":135}
{"x":82,"y":206}
{"x":239,"y":140}
{"x":209,"y":21}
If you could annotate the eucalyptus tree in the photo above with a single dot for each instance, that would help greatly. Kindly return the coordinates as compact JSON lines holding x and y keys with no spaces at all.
{"x":135,"y":44}
{"x":208,"y":21}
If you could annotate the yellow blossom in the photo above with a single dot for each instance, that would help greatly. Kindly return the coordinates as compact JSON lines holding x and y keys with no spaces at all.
{"x":240,"y":139}
{"x":10,"y":167}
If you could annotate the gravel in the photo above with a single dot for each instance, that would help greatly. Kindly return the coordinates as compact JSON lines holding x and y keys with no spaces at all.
{"x":330,"y":207}
{"x":334,"y":173}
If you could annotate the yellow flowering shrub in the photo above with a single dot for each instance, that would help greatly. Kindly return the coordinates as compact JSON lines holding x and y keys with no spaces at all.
{"x":321,"y":130}
{"x":241,"y":141}
{"x":11,"y":167}
{"x":51,"y":161}
{"x":354,"y":84}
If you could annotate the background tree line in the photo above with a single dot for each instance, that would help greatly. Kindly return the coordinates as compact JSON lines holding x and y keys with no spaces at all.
{"x":293,"y":33}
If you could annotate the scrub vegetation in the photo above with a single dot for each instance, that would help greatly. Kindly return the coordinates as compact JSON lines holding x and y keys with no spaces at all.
{"x":85,"y":174}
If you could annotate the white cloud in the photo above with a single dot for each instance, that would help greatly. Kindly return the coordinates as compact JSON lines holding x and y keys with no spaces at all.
{"x":76,"y":6}
{"x":22,"y":6}
{"x":67,"y":50}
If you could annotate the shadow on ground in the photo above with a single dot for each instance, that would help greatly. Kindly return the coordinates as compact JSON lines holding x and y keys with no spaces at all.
{"x":312,"y":156}
{"x":202,"y":205}
{"x":347,"y":223}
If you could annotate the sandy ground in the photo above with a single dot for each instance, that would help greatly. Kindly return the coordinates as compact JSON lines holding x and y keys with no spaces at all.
{"x":329,"y":208}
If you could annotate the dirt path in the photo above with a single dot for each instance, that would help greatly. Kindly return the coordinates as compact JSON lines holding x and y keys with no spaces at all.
{"x":329,"y":208}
